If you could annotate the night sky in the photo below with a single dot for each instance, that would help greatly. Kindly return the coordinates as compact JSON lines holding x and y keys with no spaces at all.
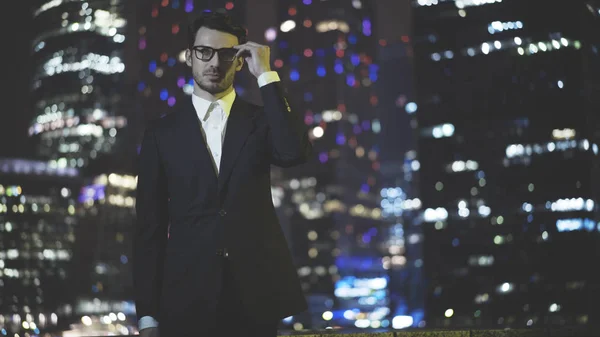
{"x":15,"y":112}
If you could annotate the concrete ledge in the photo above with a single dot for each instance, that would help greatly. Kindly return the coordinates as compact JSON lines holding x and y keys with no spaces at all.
{"x":553,"y":332}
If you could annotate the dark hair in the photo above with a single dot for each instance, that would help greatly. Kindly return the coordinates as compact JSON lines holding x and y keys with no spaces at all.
{"x":218,"y":21}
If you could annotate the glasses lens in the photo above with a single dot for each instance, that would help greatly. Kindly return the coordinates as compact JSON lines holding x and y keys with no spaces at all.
{"x":228,"y":54}
{"x":204,"y":54}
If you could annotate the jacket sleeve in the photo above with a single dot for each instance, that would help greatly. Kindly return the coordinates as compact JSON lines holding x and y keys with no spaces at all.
{"x":151,"y":228}
{"x":287,"y":136}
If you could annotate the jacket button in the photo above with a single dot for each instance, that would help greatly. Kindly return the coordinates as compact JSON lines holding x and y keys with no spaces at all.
{"x":222,"y":212}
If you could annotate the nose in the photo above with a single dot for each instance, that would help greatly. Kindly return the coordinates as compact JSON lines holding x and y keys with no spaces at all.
{"x":215,"y":60}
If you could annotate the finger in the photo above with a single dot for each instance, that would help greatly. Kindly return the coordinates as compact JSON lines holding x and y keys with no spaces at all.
{"x":243,"y":50}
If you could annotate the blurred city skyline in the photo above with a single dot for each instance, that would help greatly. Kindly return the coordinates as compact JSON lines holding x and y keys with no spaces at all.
{"x":454,"y":179}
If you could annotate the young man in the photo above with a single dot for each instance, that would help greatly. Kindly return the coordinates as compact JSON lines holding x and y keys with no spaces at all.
{"x":225,"y":269}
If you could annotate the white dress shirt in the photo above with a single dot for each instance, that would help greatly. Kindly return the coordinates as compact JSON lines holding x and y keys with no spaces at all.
{"x":213,"y":117}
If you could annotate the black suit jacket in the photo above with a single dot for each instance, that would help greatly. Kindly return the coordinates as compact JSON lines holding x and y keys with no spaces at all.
{"x":185,"y":212}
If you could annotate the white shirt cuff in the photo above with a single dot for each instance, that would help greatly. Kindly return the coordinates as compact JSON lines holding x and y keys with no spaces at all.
{"x":147,"y":322}
{"x":268,"y":77}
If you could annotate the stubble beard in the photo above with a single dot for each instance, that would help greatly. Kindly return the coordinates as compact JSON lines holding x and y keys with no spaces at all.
{"x":210,"y":86}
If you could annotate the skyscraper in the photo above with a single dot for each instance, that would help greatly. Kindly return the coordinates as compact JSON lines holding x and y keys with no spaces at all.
{"x":38,"y":221}
{"x":78,"y":71}
{"x":506,"y":155}
{"x":400,"y":203}
{"x":324,"y":54}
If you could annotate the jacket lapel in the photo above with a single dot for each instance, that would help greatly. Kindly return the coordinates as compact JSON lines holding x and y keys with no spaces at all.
{"x":240,"y":125}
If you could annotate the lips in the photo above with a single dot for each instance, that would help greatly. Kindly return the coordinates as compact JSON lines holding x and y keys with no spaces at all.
{"x":212,"y":75}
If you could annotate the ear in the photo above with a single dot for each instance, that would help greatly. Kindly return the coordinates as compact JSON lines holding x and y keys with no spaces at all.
{"x":239,"y":63}
{"x":188,"y":57}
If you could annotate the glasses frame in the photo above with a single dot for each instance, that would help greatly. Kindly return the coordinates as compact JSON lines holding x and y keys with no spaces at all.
{"x":196,"y":50}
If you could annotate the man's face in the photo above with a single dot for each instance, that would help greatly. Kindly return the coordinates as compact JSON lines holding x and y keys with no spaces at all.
{"x":215,"y":75}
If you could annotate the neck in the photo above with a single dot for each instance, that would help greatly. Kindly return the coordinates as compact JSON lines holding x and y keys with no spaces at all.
{"x":211,"y":97}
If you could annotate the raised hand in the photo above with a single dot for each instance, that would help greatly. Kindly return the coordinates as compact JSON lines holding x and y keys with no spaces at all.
{"x":257,"y":56}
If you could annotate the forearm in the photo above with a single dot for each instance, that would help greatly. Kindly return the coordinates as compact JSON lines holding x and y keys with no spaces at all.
{"x":287,"y":131}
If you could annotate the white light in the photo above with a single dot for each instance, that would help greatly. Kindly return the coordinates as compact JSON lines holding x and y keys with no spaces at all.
{"x":287,"y":26}
{"x":327,"y":315}
{"x":411,"y":107}
{"x":402,"y":322}
{"x":518,"y":41}
{"x":448,"y":130}
{"x":560,"y":84}
{"x":497,"y":44}
{"x":449,"y":313}
{"x":556,"y":44}
{"x":271,"y":34}
{"x":318,"y":132}
{"x":485,"y":48}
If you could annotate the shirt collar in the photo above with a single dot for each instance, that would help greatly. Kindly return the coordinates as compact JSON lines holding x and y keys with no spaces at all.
{"x":202,"y":105}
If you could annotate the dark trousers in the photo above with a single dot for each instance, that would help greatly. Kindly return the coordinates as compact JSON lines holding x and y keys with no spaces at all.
{"x":232,"y":320}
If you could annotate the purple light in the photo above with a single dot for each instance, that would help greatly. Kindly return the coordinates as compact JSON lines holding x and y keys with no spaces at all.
{"x":181,"y":81}
{"x":340,"y":139}
{"x":366,"y":124}
{"x":355,"y":59}
{"x":189,"y":6}
{"x":339,"y":68}
{"x":91,"y":192}
{"x":171,"y":101}
{"x":307,"y":2}
{"x":364,"y":188}
{"x":356,"y":129}
{"x":323,"y":157}
{"x":142,"y":44}
{"x":367,"y":24}
{"x":308,"y":119}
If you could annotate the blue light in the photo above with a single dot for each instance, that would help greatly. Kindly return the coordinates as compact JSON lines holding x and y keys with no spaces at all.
{"x":307,"y":2}
{"x":164,"y":94}
{"x":124,"y":259}
{"x":352,"y":39}
{"x":294,"y":58}
{"x":152,"y":66}
{"x":350,"y":79}
{"x":171,"y":61}
{"x":321,"y":71}
{"x":191,"y":81}
{"x":294,"y":75}
{"x":455,"y":242}
{"x":373,"y":77}
{"x":141,"y":86}
{"x":366,"y":238}
{"x":340,"y":139}
{"x":308,"y":97}
{"x":189,"y":6}
{"x":365,"y":188}
{"x":320,"y":52}
{"x":283,"y":44}
{"x":355,"y":59}
{"x":339,"y":68}
{"x":175,"y":4}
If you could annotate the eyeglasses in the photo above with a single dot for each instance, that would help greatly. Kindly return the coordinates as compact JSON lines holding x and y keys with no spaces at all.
{"x":204,"y":53}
